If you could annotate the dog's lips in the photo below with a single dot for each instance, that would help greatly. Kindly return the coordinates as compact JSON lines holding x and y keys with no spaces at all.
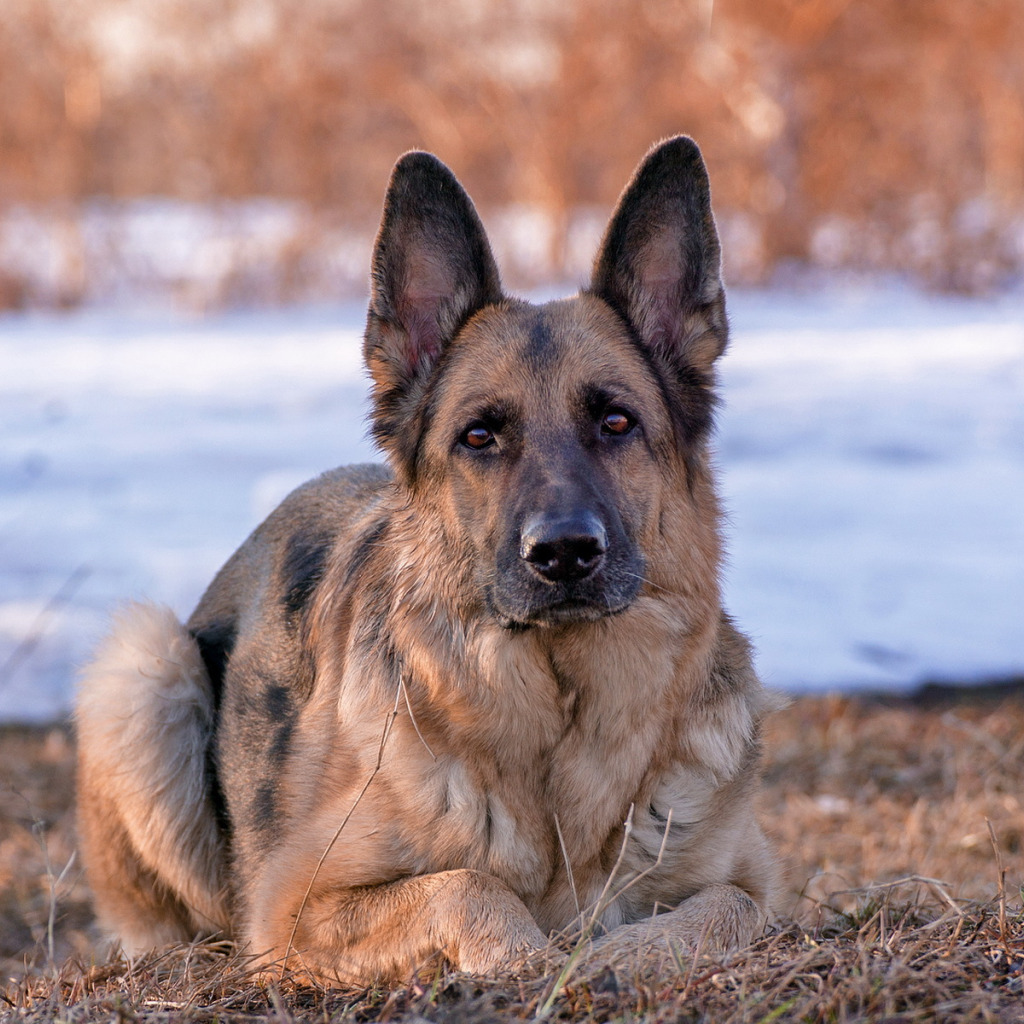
{"x":572,"y":611}
{"x":560,"y":615}
{"x":563,"y":612}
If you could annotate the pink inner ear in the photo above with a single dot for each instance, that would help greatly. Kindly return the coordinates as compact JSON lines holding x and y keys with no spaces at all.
{"x":662,"y":317}
{"x":660,"y":271}
{"x":423,"y":333}
{"x":661,"y":259}
{"x":426,"y":286}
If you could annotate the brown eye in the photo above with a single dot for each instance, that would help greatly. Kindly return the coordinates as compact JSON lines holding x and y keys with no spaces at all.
{"x":616,"y":422}
{"x":477,"y":437}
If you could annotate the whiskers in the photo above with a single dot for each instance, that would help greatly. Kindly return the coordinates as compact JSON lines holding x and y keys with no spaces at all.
{"x":649,"y":583}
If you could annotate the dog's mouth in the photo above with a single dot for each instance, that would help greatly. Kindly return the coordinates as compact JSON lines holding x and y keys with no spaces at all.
{"x":552,"y":610}
{"x":565,"y":615}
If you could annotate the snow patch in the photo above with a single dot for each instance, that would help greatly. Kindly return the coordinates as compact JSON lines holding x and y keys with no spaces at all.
{"x":871,"y":449}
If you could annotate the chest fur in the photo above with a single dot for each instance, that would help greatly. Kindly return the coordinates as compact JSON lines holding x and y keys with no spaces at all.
{"x":524,"y":758}
{"x":532,"y":772}
{"x":570,"y":831}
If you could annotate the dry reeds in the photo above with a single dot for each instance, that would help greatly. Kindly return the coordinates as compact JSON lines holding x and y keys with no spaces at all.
{"x":878,"y":136}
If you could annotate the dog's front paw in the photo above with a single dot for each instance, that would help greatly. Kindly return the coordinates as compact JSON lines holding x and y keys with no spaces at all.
{"x":537,"y":963}
{"x":508,"y":949}
{"x":484,"y":928}
{"x":716,"y":920}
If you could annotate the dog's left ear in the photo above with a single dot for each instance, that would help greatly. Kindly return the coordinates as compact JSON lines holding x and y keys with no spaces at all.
{"x":432,"y":269}
{"x":659,"y":265}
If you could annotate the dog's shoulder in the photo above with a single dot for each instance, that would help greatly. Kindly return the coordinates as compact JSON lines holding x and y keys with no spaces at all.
{"x":293,"y":543}
{"x":262,"y":593}
{"x":328,"y":503}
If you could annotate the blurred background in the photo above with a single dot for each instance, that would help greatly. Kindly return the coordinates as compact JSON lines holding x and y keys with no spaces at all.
{"x":231,"y":151}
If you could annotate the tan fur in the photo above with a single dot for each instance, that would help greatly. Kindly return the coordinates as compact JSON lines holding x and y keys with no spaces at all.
{"x":408,"y":775}
{"x":144,"y":716}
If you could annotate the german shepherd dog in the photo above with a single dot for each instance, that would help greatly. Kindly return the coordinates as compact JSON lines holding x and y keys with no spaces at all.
{"x":451,"y":709}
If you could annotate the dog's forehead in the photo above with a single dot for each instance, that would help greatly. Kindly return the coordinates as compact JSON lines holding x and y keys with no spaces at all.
{"x":547,"y":351}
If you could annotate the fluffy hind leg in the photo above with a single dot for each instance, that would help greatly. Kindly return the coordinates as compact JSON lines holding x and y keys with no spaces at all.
{"x":148,"y":830}
{"x":133,"y":907}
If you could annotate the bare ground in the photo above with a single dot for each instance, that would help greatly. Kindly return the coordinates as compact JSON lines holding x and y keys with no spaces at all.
{"x":900,"y":823}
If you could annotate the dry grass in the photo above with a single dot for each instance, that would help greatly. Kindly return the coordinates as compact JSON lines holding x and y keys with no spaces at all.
{"x":900,"y":823}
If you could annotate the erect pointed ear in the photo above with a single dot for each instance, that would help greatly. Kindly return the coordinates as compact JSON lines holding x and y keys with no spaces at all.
{"x":432,"y":269}
{"x":659,"y":265}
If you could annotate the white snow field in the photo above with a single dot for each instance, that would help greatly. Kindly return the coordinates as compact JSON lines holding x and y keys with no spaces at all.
{"x":871,"y":448}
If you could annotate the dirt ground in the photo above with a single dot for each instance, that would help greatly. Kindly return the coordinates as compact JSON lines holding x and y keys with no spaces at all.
{"x":900,"y":824}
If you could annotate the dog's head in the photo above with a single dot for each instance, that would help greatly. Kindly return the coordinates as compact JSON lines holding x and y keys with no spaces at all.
{"x":550,"y":438}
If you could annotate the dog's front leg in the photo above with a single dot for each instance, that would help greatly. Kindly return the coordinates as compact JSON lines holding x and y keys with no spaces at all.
{"x":385,"y":932}
{"x":717,"y":919}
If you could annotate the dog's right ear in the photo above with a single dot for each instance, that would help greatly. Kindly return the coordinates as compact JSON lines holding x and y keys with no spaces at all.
{"x":432,"y":269}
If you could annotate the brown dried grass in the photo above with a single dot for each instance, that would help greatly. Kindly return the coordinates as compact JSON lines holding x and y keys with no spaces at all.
{"x":900,"y":823}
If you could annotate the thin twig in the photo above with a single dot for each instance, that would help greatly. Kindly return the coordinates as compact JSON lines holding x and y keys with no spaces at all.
{"x":39,"y":830}
{"x":568,"y":866}
{"x":1002,"y":881}
{"x":51,"y":921}
{"x":39,"y":625}
{"x":563,"y":976}
{"x":412,"y":717}
{"x":934,"y":884}
{"x":602,"y":903}
{"x":330,"y":846}
{"x":627,"y":831}
{"x":702,"y":938}
{"x":640,"y":876}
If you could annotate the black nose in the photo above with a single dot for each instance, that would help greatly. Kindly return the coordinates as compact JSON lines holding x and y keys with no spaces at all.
{"x":565,"y":548}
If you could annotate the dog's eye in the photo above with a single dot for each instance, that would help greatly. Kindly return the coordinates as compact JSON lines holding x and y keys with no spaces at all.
{"x":616,"y":422}
{"x":477,"y":437}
